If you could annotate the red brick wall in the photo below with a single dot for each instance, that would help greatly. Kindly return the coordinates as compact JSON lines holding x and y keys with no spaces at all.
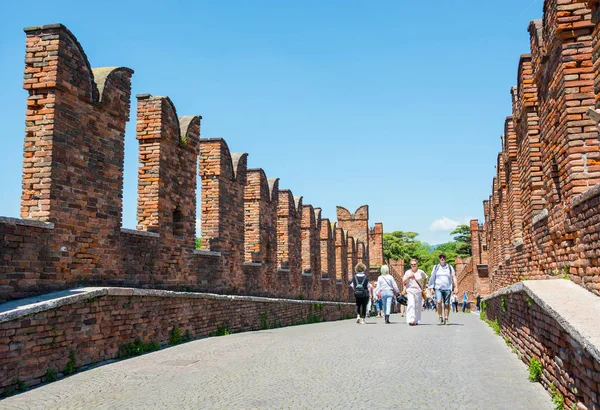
{"x":357,"y":226}
{"x":255,"y":239}
{"x":87,"y":216}
{"x":223,"y":177}
{"x":376,"y":245}
{"x":535,"y":333}
{"x":539,"y":220}
{"x":289,"y":243}
{"x":94,"y":326}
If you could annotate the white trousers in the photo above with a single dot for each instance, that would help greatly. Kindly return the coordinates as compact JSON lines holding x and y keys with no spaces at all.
{"x":413,"y":307}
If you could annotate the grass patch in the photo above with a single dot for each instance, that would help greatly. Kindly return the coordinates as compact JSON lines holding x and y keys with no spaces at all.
{"x":136,"y":348}
{"x":264,"y":323}
{"x":557,"y":398}
{"x":50,"y":375}
{"x":535,"y":369}
{"x":503,"y":306}
{"x":70,"y":367}
{"x":221,"y":331}
{"x":176,"y":336}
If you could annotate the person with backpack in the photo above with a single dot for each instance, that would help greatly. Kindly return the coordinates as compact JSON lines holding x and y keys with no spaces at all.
{"x":360,"y":284}
{"x":443,"y":280}
{"x":388,"y":287}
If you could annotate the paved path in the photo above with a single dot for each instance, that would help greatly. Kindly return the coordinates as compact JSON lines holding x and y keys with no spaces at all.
{"x":327,"y":365}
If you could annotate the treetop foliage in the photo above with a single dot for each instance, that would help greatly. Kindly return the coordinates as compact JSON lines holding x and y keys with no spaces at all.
{"x":405,"y":245}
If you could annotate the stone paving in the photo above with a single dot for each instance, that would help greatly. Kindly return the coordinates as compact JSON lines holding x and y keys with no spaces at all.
{"x":326,"y":365}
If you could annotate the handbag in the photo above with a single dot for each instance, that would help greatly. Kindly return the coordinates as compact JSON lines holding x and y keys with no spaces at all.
{"x":402,"y":299}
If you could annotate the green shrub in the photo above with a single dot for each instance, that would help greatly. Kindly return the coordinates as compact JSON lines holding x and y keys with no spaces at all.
{"x":222,"y":331}
{"x":535,"y":369}
{"x":496,"y":327}
{"x":50,"y":375}
{"x":264,"y":323}
{"x":503,"y":306}
{"x":70,"y":366}
{"x":20,"y":384}
{"x":137,"y":348}
{"x":529,"y":301}
{"x":557,"y":398}
{"x":176,"y":336}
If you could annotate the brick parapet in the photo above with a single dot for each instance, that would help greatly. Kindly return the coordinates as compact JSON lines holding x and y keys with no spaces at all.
{"x":357,"y":226}
{"x":557,"y":155}
{"x":570,"y":361}
{"x":169,"y":147}
{"x":96,"y":323}
{"x":289,"y":242}
{"x":376,"y":244}
{"x":72,"y":186}
{"x":311,"y":245}
{"x":352,"y":255}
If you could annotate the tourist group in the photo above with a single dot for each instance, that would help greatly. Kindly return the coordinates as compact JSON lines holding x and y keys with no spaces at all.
{"x":417,"y":292}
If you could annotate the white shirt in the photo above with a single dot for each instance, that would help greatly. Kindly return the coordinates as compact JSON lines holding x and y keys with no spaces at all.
{"x":442,"y":277}
{"x":387,"y":283}
{"x":411,"y":285}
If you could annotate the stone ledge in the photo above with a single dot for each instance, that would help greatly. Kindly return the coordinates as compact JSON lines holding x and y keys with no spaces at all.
{"x":573,"y":307}
{"x":540,"y":217}
{"x":206,"y":253}
{"x":140,"y":233}
{"x":280,"y":270}
{"x":306,"y":273}
{"x":25,"y":222}
{"x":23,"y":307}
{"x":252,"y":264}
{"x":586,"y":196}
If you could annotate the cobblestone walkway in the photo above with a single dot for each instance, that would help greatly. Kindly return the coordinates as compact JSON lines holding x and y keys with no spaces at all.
{"x":325,"y":365}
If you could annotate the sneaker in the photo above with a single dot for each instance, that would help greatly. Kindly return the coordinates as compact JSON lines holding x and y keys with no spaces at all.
{"x":440,"y":321}
{"x":358,"y":319}
{"x":446,"y":321}
{"x":362,"y":321}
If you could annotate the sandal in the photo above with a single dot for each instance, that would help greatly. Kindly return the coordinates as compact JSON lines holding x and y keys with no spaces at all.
{"x":446,"y":321}
{"x":440,"y":320}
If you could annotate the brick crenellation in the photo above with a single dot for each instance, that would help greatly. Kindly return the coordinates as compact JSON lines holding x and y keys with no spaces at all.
{"x":256,"y":239}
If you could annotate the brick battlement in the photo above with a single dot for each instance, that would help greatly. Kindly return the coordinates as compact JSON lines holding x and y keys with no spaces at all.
{"x":257,"y":238}
{"x":539,"y":219}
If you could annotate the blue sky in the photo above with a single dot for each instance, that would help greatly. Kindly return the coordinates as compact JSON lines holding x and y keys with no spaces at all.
{"x":396,"y":104}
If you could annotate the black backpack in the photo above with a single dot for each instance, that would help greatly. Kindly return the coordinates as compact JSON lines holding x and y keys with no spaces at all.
{"x":360,"y":290}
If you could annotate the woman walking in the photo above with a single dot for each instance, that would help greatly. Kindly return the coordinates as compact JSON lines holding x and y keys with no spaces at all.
{"x":360,"y":284}
{"x":454,"y":302}
{"x":388,"y":287}
{"x":414,"y":292}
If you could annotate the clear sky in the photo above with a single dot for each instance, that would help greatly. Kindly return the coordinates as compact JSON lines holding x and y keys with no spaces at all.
{"x":395,"y":104}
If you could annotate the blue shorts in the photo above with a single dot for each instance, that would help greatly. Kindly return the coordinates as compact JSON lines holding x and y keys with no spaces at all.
{"x":443,"y":295}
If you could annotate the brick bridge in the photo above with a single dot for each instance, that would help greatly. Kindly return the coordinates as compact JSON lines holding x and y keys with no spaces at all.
{"x":268,"y":260}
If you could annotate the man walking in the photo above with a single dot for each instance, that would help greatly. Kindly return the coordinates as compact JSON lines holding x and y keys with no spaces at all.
{"x":443,"y":281}
{"x":465,"y":299}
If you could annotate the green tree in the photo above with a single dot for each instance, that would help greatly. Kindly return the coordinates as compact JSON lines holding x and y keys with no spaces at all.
{"x":462,"y":238}
{"x":404,"y":245}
